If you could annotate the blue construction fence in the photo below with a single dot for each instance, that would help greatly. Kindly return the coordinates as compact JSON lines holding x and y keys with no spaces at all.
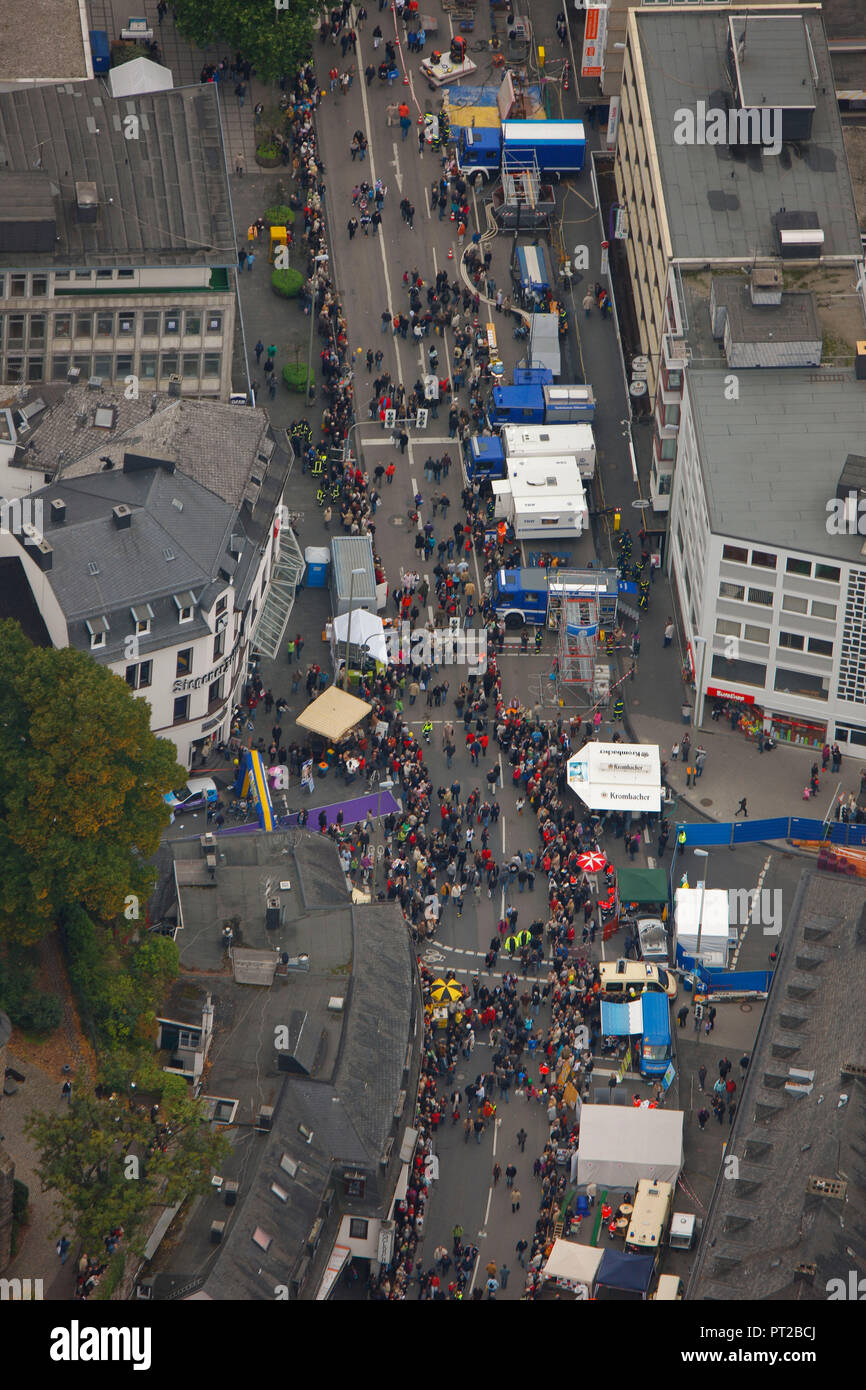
{"x":724,"y":981}
{"x":779,"y":828}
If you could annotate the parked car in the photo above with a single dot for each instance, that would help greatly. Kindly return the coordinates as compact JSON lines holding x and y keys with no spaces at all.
{"x":198,"y":792}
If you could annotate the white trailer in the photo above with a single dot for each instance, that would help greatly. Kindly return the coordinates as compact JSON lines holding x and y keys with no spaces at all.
{"x":549,"y":441}
{"x":710,"y":908}
{"x":542,"y":498}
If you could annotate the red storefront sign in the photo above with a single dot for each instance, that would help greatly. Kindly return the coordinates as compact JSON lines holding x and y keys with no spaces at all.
{"x":717,"y":693}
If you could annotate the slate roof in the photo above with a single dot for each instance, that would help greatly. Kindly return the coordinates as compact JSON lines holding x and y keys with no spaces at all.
{"x":163,"y":197}
{"x":718,"y":206}
{"x":358,"y":1079}
{"x":772,"y":458}
{"x":763,"y":1224}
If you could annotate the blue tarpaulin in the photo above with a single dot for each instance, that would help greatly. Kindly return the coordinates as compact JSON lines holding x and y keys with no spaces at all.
{"x":620,"y":1020}
{"x":632,"y":1272}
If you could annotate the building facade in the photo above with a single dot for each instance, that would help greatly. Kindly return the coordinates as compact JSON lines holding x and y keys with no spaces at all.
{"x":117,"y":245}
{"x":773,"y":598}
{"x":157,"y":553}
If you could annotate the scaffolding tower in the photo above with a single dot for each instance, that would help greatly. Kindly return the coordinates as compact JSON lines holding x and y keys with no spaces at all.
{"x":582,"y":610}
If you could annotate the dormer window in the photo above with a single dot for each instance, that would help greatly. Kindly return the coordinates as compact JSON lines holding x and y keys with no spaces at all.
{"x":97,"y":627}
{"x":142,"y":615}
{"x":185,"y":604}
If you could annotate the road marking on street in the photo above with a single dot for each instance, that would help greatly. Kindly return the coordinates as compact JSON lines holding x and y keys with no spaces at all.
{"x":651,"y":863}
{"x":398,"y":173}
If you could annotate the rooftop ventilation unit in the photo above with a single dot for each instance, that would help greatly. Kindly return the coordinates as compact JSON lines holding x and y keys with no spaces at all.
{"x":86,"y":203}
{"x":58,"y":511}
{"x":122,"y":516}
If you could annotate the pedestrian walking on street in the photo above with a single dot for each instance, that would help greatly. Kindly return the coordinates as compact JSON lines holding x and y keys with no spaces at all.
{"x":66,"y":1091}
{"x":504,"y":1272}
{"x":497,"y":1173}
{"x":703,"y":1116}
{"x":515,"y":1200}
{"x":587,"y":303}
{"x":522,"y":1137}
{"x":744,"y":1064}
{"x":239,"y":165}
{"x":682,"y":1015}
{"x":742,"y":809}
{"x":251,"y":256}
{"x":668,"y":633}
{"x":258,"y":350}
{"x":510,"y":1175}
{"x":63,"y":1249}
{"x":521,"y":1248}
{"x":702,"y":1076}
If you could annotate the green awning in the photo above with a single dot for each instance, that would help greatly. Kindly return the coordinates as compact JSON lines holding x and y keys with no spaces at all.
{"x":642,"y":885}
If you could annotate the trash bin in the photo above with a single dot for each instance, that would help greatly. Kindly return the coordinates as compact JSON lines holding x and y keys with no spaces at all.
{"x":317,"y":558}
{"x":686,"y":710}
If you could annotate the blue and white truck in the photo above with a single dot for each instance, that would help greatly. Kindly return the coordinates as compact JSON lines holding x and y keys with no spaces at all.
{"x":553,"y":147}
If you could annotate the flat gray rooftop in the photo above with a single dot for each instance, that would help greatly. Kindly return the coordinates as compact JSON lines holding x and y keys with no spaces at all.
{"x":43,"y":40}
{"x":774,"y":69}
{"x":719,"y":206}
{"x":799,"y":1196}
{"x":773,"y":458}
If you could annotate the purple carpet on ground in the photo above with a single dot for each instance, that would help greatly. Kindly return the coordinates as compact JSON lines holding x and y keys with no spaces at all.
{"x":354,"y":809}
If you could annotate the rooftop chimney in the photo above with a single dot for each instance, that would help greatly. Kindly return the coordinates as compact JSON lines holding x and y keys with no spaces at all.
{"x":122,"y":516}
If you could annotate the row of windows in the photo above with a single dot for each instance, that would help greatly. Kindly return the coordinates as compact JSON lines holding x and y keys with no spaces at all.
{"x":791,"y":603}
{"x":154,"y":324}
{"x":767,"y":560}
{"x":21,"y":285}
{"x":796,"y":641}
{"x":152,"y":366}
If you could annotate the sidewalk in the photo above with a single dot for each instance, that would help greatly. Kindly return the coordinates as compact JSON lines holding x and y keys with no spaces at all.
{"x":772,"y":783}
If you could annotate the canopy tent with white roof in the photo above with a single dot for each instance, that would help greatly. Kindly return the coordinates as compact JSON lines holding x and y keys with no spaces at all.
{"x":570,"y":1263}
{"x":366,"y":631}
{"x":139,"y":75}
{"x":618,"y":1146}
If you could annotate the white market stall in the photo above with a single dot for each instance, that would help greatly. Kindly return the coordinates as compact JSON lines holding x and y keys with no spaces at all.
{"x":710,"y":908}
{"x":366,"y":634}
{"x":138,"y":76}
{"x":573,"y":1266}
{"x":618,"y":1146}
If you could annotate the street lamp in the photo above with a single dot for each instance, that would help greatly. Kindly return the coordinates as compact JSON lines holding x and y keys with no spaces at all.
{"x":701,"y":854}
{"x":699,"y":703}
{"x":349,"y":627}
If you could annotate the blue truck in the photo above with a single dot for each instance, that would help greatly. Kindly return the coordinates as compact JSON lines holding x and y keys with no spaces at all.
{"x":485,"y":457}
{"x":521,"y":595}
{"x":542,"y":405}
{"x":655,"y":1048}
{"x":553,"y":147}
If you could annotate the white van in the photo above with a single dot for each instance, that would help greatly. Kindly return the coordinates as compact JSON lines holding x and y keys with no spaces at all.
{"x":627,"y":979}
{"x":649,"y":1219}
{"x":669,"y":1289}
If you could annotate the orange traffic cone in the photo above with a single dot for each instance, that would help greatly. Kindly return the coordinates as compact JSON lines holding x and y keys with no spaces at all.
{"x":450,"y":253}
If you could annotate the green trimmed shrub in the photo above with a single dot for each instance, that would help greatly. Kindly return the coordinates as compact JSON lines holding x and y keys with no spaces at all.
{"x":268,"y":155}
{"x":287,"y":283}
{"x":295,"y":376}
{"x":280,"y":216}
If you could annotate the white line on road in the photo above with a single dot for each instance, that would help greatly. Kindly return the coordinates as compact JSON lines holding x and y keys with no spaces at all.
{"x":490,"y":1193}
{"x":398,"y":173}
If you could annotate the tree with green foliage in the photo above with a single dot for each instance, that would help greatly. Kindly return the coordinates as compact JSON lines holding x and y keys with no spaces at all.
{"x":108,"y":1163}
{"x":275,"y":41}
{"x":82,"y":785}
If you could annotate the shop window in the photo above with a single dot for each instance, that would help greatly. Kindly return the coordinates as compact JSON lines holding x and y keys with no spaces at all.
{"x":735,"y":552}
{"x":804,"y":683}
{"x":764,"y":559}
{"x":803,"y":567}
